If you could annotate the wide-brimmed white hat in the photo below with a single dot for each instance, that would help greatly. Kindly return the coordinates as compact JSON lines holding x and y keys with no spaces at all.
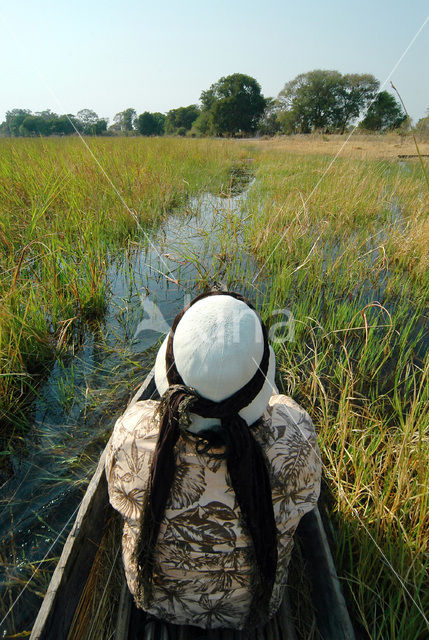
{"x":218,"y":345}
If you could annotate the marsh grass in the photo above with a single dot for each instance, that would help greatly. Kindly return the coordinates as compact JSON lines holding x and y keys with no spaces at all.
{"x":61,"y":221}
{"x":359,"y":145}
{"x":40,"y":503}
{"x":350,"y":261}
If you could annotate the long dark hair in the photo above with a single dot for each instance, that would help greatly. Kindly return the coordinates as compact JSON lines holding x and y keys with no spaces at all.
{"x":246,"y":466}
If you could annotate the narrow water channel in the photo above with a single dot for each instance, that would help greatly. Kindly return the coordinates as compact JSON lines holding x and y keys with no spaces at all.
{"x":85,"y":392}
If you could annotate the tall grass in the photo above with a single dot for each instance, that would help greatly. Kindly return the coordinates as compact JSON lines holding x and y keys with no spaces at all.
{"x":61,"y":220}
{"x":350,"y":261}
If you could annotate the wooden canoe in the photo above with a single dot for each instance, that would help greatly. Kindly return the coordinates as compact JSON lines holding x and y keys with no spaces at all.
{"x":57,"y":616}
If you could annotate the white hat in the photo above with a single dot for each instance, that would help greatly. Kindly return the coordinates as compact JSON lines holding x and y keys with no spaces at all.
{"x":218,"y":346}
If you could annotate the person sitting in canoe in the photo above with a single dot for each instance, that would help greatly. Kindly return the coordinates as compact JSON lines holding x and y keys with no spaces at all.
{"x":213,"y":479}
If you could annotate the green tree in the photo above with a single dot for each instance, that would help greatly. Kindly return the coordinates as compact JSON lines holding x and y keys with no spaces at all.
{"x":179,"y":121}
{"x":355,"y":93}
{"x":324,"y":100}
{"x":385,"y":113}
{"x":101,"y":126}
{"x":151,"y":124}
{"x":288,"y":122}
{"x":311,"y":99}
{"x":160,"y":122}
{"x":35,"y":125}
{"x":203,"y":125}
{"x":13,"y":121}
{"x":21,"y":122}
{"x":126,"y":119}
{"x":235,"y":105}
{"x":63,"y":125}
{"x":269,"y":123}
{"x":87,"y":121}
{"x":47,"y":114}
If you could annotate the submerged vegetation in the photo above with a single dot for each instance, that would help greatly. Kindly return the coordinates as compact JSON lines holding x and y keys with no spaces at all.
{"x":342,"y":249}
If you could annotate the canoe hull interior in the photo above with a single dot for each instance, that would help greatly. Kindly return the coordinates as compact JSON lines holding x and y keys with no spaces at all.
{"x":57,"y":613}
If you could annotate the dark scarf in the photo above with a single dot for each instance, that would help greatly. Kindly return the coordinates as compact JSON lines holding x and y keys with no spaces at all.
{"x":245,"y":463}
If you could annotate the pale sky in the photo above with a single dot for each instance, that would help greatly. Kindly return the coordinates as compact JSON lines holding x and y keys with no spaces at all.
{"x":156,"y":56}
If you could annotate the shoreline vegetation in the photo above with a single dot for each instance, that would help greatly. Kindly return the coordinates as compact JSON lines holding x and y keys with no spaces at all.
{"x":318,"y":100}
{"x":343,"y":246}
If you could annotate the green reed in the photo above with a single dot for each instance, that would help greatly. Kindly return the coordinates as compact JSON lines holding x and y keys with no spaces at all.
{"x":349,"y":260}
{"x":61,"y":221}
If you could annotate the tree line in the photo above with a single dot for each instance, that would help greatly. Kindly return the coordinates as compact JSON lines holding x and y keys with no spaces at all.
{"x":318,"y":100}
{"x":22,"y":122}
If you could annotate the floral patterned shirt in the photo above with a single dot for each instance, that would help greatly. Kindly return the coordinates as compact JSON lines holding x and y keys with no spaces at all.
{"x":204,"y":556}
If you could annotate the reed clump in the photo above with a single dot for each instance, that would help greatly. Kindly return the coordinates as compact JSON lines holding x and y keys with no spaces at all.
{"x":345,"y":248}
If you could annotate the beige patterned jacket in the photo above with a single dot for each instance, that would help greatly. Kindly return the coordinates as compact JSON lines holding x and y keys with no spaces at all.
{"x":204,"y":557}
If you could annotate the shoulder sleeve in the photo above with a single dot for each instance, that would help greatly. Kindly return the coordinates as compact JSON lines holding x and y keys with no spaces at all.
{"x":129,"y":455}
{"x":295,"y":461}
